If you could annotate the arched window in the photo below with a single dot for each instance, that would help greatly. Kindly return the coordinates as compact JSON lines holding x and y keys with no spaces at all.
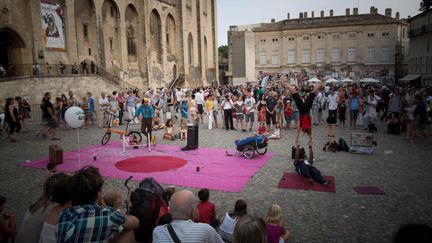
{"x":131,"y":47}
{"x":155,"y":34}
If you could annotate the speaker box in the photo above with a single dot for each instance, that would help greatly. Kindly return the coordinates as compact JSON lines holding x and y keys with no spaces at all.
{"x":192,"y":137}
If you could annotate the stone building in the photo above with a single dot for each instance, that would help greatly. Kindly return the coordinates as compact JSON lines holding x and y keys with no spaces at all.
{"x":353,"y":44}
{"x":149,"y":43}
{"x":420,"y":49}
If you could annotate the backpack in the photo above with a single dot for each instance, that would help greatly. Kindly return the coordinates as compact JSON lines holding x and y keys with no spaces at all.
{"x":148,"y":205}
{"x":331,"y":147}
{"x":343,"y":146}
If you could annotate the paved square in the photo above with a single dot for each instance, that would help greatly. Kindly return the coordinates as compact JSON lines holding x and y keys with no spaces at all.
{"x":344,"y":216}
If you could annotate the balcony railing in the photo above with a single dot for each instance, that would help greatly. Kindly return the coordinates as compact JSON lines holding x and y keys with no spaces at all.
{"x":54,"y":70}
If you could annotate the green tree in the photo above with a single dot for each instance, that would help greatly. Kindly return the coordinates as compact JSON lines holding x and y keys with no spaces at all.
{"x":223,"y":51}
{"x":425,"y":5}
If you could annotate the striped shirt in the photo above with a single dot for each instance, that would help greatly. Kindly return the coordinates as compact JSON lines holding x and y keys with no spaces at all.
{"x":187,"y":231}
{"x":88,"y":223}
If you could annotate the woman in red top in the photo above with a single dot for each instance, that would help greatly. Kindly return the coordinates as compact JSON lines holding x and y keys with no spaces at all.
{"x":207,"y":209}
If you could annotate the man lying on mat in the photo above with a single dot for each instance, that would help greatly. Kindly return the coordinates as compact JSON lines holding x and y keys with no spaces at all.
{"x":306,"y":169}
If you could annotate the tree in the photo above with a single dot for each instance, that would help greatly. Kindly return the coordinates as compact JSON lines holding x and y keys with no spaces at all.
{"x":223,"y":51}
{"x":425,"y":5}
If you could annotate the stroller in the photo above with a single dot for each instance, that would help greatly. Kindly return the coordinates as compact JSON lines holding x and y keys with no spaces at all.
{"x":248,"y":146}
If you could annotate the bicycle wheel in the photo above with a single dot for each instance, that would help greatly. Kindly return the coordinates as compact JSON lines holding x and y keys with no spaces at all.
{"x":261,"y":151}
{"x":106,"y":138}
{"x":135,"y":136}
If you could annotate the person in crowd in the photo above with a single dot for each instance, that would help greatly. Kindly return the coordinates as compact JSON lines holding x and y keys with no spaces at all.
{"x":370,"y":114}
{"x":60,"y":197}
{"x":51,"y":169}
{"x":270,"y":109}
{"x":2,"y":120}
{"x":342,"y":107}
{"x":121,"y":105}
{"x":288,"y":113}
{"x":7,"y":223}
{"x":62,"y":68}
{"x":209,"y":106}
{"x":206,"y":208}
{"x":92,"y":110}
{"x":72,"y":101}
{"x":74,"y":68}
{"x":103,"y":108}
{"x":169,"y":114}
{"x":276,"y":231}
{"x":12,"y":118}
{"x":193,"y":110}
{"x":199,"y":98}
{"x":420,"y":116}
{"x":100,"y":223}
{"x":169,"y":130}
{"x":158,"y":104}
{"x":393,"y":125}
{"x":113,"y":198}
{"x":146,"y":111}
{"x":227,"y":107}
{"x":239,"y":108}
{"x":183,"y":129}
{"x":92,"y":67}
{"x":24,"y":109}
{"x":84,"y":69}
{"x":113,"y":107}
{"x":85,"y":106}
{"x":333,"y":99}
{"x":276,"y":132}
{"x":305,"y":167}
{"x":183,"y":206}
{"x":354,"y":106}
{"x":50,"y":118}
{"x":184,"y":107}
{"x":280,"y":110}
{"x":64,"y":107}
{"x":250,"y":103}
{"x":32,"y":223}
{"x":226,"y":229}
{"x":250,"y":229}
{"x":178,"y":99}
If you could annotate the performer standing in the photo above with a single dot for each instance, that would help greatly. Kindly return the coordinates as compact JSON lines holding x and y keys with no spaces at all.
{"x":147,"y":113}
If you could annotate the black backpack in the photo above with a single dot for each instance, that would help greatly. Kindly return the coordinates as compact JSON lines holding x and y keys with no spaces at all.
{"x":148,"y":205}
{"x":343,"y":146}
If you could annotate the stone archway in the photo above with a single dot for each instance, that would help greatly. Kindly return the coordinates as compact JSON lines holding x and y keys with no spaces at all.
{"x":131,"y":16}
{"x":111,"y":35}
{"x":13,"y":50}
{"x":156,"y":34}
{"x":85,"y":22}
{"x":171,"y":37}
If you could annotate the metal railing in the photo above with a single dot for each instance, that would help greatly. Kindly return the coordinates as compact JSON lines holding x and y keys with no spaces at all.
{"x":54,"y":70}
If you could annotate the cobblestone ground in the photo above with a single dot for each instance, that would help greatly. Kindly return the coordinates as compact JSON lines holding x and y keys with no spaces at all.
{"x":344,"y":216}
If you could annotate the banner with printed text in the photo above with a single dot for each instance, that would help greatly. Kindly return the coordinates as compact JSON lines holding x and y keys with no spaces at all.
{"x":53,"y":26}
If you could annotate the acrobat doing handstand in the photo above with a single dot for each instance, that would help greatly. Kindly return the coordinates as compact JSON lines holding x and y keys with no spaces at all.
{"x":304,"y":108}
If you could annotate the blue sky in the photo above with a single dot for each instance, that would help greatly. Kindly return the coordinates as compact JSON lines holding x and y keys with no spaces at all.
{"x":239,"y":12}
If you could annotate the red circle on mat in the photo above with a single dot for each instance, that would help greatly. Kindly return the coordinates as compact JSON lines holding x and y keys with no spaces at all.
{"x":147,"y":164}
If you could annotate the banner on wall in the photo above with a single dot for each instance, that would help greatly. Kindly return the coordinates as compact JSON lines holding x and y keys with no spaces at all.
{"x":53,"y":26}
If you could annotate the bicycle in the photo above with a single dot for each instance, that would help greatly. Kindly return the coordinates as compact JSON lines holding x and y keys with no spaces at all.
{"x":134,"y":136}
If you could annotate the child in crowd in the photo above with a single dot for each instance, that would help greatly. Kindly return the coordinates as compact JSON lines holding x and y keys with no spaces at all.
{"x":112,"y":198}
{"x":7,"y":223}
{"x":157,"y":125}
{"x":276,"y":232}
{"x":51,"y":169}
{"x":262,"y":129}
{"x":86,"y":108}
{"x":230,"y":220}
{"x":207,"y":209}
{"x":288,"y":113}
{"x":183,"y":129}
{"x":169,"y":130}
{"x":276,"y":132}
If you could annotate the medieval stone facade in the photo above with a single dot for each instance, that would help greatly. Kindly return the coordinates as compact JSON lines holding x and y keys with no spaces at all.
{"x":146,"y":43}
{"x":353,"y":44}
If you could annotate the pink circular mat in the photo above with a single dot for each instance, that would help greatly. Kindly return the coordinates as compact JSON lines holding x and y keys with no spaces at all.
{"x":147,"y":164}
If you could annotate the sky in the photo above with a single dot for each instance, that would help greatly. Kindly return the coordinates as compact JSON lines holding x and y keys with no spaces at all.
{"x":240,"y":12}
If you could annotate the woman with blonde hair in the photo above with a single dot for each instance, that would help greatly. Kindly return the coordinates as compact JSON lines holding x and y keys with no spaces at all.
{"x":276,"y":232}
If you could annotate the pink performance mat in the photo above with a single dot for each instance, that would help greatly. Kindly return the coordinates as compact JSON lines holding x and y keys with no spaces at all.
{"x":292,"y":180}
{"x":204,"y":167}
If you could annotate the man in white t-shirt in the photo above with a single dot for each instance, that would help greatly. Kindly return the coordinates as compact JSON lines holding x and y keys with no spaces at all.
{"x":199,"y":98}
{"x":250,"y":103}
{"x":178,"y":95}
{"x":333,"y":99}
{"x":103,"y":105}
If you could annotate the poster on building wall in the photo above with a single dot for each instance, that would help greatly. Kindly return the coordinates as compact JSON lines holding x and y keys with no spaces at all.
{"x":53,"y":26}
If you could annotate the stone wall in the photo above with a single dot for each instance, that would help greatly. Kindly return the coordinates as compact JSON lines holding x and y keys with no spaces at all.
{"x":34,"y":88}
